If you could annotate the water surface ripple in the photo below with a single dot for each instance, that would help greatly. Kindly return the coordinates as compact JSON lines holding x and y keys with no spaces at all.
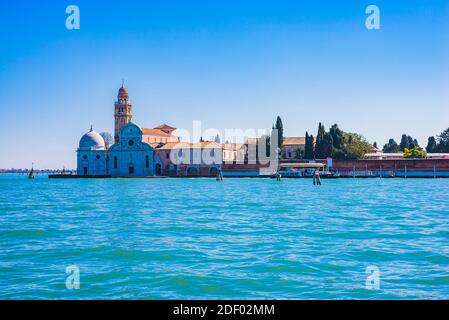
{"x":242,"y":238}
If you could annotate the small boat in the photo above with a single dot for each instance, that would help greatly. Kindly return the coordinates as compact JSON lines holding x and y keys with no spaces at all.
{"x":305,"y":170}
{"x":31,"y":174}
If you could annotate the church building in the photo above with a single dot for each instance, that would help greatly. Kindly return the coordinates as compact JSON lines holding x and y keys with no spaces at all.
{"x":92,"y":155}
{"x":131,"y":155}
{"x":144,"y":152}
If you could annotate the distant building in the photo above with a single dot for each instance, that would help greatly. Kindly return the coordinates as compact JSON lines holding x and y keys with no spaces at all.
{"x":291,"y":145}
{"x":384,"y":156}
{"x":233,"y":152}
{"x":161,"y":134}
{"x":188,"y":159}
{"x":164,"y":166}
{"x":400,"y":155}
{"x":140,"y":152}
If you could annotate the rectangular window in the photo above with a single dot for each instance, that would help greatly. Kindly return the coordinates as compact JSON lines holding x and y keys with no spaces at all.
{"x":147,"y":162}
{"x":115,"y":162}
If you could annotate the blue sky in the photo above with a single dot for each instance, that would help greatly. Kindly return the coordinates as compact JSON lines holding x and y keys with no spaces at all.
{"x":230,"y":64}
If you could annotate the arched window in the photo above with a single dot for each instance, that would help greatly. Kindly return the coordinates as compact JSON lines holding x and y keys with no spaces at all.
{"x":115,"y":162}
{"x":147,"y":161}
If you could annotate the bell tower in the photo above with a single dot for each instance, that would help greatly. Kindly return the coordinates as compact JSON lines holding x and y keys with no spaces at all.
{"x":123,"y":111}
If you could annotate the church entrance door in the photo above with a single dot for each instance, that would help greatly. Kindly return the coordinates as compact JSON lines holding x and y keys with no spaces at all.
{"x":158,"y":169}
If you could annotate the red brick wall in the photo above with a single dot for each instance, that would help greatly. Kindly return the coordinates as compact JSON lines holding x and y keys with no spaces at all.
{"x":374,"y":165}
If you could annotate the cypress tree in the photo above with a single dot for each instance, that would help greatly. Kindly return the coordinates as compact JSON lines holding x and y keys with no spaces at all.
{"x":431,"y":145}
{"x":279,"y":126}
{"x":327,"y":146}
{"x":308,"y":149}
{"x":405,"y":143}
{"x":319,"y":141}
{"x":443,"y":141}
{"x":391,"y":147}
{"x":337,"y":136}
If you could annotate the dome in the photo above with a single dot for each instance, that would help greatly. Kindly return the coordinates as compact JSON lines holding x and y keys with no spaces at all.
{"x":92,"y":141}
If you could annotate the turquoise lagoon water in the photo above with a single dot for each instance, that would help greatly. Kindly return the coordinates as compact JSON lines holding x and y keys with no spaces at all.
{"x":242,"y":238}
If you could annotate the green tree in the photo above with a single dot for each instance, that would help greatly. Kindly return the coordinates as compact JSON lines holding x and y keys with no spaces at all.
{"x":308,"y":149}
{"x":280,"y":127}
{"x":415,"y":153}
{"x":355,"y":146}
{"x":337,"y":136}
{"x":339,"y":154}
{"x":412,"y":142}
{"x":328,"y":147}
{"x":408,"y":142}
{"x":432,"y":145}
{"x":391,"y":147}
{"x":405,"y":142}
{"x":443,"y":141}
{"x":324,"y":143}
{"x":319,"y":144}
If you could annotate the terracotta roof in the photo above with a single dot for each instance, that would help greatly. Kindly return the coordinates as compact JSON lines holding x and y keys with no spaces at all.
{"x":294,"y":141}
{"x":165,"y":126}
{"x":155,"y":132}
